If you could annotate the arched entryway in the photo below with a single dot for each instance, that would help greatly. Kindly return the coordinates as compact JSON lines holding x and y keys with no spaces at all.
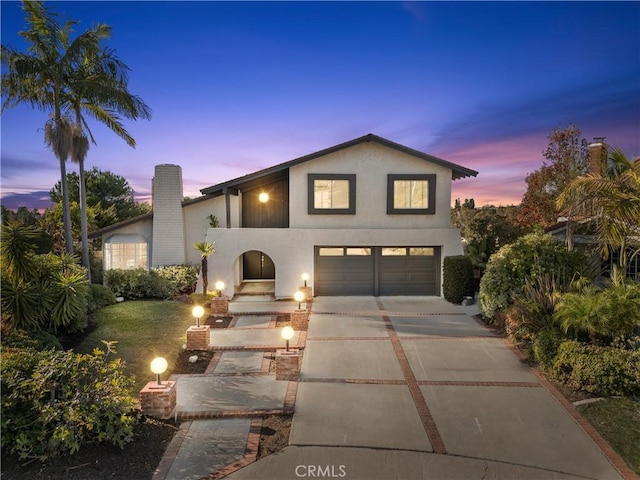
{"x":257,"y":265}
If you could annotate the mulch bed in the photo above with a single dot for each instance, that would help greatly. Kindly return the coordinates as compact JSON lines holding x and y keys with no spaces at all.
{"x":274,"y":435}
{"x":137,"y":461}
{"x":218,"y":322}
{"x":183,"y":366}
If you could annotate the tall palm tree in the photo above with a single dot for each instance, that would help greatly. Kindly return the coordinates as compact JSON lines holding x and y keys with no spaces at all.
{"x":98,"y":89}
{"x":612,"y":199}
{"x":38,"y":78}
{"x":69,"y":78}
{"x":205,"y":250}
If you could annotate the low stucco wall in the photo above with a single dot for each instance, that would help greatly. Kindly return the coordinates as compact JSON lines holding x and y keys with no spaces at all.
{"x":292,"y":250}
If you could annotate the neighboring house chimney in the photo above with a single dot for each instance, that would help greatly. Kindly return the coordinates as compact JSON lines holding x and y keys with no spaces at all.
{"x":597,"y":156}
{"x":168,"y":218}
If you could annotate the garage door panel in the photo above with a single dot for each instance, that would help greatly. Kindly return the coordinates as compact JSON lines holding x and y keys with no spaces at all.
{"x":396,"y":274}
{"x":344,"y":275}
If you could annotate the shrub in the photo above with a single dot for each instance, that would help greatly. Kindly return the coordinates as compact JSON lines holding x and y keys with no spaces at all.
{"x":458,"y":279}
{"x":599,"y":370}
{"x":533,"y":308}
{"x":38,"y":340}
{"x":528,"y":257}
{"x":101,"y":296}
{"x":55,"y":402}
{"x":545,"y":347}
{"x":139,"y":283}
{"x":54,"y":296}
{"x":610,"y":312}
{"x":184,"y":277}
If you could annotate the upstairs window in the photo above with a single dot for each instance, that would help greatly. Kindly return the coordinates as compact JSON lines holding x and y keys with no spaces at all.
{"x":411,"y":194}
{"x":332,"y":194}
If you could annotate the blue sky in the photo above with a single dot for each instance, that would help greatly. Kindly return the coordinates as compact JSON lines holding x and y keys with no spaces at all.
{"x":240,"y":86}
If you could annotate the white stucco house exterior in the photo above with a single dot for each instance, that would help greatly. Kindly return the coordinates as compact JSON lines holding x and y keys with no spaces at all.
{"x":365,"y":217}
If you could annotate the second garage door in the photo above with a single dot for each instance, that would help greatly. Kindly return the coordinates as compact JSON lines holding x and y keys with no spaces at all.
{"x":377,"y":271}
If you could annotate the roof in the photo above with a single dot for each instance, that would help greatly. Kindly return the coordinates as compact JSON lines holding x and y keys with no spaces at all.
{"x":116,"y":226}
{"x":457,"y":170}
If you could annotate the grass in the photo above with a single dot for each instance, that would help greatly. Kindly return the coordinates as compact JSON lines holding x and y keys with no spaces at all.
{"x":144,"y":329}
{"x":618,"y":421}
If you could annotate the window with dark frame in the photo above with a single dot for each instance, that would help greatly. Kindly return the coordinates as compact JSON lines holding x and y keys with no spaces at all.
{"x":411,"y":194}
{"x":332,"y":194}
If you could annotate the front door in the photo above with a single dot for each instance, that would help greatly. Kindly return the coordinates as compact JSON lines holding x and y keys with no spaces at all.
{"x":257,"y":266}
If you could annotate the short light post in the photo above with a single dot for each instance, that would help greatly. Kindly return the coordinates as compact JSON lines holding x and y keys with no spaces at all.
{"x":158,"y":399}
{"x":197,"y":312}
{"x":219,"y":303}
{"x":220,"y":287}
{"x":159,"y":366}
{"x":287,"y":333}
{"x":287,"y":361}
{"x":300,"y":318}
{"x":306,"y":289}
{"x":299,"y":297}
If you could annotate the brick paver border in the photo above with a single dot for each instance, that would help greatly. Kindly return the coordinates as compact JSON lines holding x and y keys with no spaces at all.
{"x":250,"y":452}
{"x":171,"y":452}
{"x":418,"y":398}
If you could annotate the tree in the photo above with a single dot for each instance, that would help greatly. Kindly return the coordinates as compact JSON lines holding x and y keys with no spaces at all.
{"x":205,"y":250}
{"x":568,"y":158}
{"x":39,"y":78}
{"x":108,"y":194}
{"x":76,"y":79}
{"x":612,"y":200}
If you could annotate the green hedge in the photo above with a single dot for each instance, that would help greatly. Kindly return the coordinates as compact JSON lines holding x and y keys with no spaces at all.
{"x":599,"y":370}
{"x":528,"y":257}
{"x":458,"y":279}
{"x":54,"y":402}
{"x":139,"y":283}
{"x":184,"y":277}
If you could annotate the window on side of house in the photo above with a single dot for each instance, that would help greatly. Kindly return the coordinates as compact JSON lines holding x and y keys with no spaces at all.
{"x":411,"y":194}
{"x":332,"y":194}
{"x":126,"y":252}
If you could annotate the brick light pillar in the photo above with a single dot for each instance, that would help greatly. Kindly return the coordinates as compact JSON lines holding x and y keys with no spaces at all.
{"x":300,"y":319}
{"x":287,"y":364}
{"x":219,"y":306}
{"x":198,"y":338}
{"x":308,"y":291}
{"x":158,"y":400}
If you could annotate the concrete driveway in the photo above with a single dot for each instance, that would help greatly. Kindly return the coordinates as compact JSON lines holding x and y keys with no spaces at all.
{"x":414,"y":388}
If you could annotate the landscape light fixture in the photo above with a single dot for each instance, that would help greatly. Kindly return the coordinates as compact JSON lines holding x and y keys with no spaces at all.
{"x":299,"y":297}
{"x":219,"y":287}
{"x":197,"y":312}
{"x":158,"y":366}
{"x":263,"y":197}
{"x":287,"y":334}
{"x":305,"y":277}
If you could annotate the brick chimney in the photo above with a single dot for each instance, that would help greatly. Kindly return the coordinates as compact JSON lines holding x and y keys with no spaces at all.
{"x":597,"y":156}
{"x":168,"y":219}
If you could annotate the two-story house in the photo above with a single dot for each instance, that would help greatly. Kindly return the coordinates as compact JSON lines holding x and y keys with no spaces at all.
{"x":365,"y":217}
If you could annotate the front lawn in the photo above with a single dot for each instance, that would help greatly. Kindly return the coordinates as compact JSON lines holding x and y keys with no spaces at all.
{"x":618,"y":421}
{"x":144,"y":329}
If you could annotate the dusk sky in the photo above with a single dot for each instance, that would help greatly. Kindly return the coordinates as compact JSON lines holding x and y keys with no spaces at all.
{"x":240,"y":86}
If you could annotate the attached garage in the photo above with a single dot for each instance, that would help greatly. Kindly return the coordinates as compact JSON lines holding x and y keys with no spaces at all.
{"x":377,"y":271}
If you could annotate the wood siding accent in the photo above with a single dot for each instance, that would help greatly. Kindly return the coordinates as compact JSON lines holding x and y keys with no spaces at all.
{"x":272,"y":214}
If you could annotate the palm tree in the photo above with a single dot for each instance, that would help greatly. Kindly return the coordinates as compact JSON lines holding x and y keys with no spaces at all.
{"x":98,"y":89}
{"x":69,"y":78}
{"x":612,"y":200}
{"x":205,"y":250}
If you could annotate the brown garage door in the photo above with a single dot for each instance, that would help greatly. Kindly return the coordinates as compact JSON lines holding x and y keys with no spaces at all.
{"x":408,"y":271}
{"x":377,"y":271}
{"x":343,"y":271}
